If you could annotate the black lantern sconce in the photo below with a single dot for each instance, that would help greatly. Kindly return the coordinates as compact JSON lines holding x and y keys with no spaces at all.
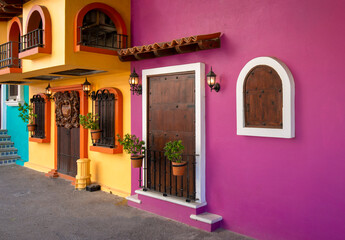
{"x":86,"y":86}
{"x":134,"y":83}
{"x":211,"y":81}
{"x":48,"y":92}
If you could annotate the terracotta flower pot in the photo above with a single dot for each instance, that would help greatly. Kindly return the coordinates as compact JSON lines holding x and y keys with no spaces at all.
{"x":137,"y":161}
{"x":96,"y":134}
{"x":31,"y":127}
{"x":179,"y":168}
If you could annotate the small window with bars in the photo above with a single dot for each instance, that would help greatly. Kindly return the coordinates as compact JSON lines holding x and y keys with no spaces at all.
{"x":38,"y":103}
{"x":13,"y":92}
{"x":107,"y":104}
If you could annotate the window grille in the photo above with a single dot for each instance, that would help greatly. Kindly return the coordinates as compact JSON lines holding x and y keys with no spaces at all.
{"x":38,"y":103}
{"x":99,"y":31}
{"x":104,"y":105}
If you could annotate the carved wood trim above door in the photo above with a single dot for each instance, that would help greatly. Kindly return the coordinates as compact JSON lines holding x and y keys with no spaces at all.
{"x":67,"y":109}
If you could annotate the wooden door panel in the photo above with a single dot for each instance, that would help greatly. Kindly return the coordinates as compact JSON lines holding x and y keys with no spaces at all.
{"x":68,"y":132}
{"x":263,"y":98}
{"x":171,"y":116}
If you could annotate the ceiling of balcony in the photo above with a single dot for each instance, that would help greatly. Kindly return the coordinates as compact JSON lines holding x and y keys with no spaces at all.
{"x":11,"y":8}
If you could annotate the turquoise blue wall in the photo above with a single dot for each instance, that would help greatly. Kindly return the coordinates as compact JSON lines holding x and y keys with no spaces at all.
{"x":17,"y":129}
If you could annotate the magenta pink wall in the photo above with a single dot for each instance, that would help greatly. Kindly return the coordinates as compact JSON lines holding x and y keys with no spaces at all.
{"x":267,"y":188}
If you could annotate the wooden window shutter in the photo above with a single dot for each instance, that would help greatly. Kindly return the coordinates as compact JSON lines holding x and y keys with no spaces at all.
{"x":263,"y":98}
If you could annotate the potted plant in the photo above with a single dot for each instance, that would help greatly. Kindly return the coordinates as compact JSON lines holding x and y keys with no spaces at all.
{"x":90,"y":121}
{"x":134,"y":146}
{"x":173,"y":151}
{"x":27,"y":114}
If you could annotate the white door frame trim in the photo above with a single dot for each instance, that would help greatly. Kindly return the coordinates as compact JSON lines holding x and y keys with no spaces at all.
{"x":200,"y":146}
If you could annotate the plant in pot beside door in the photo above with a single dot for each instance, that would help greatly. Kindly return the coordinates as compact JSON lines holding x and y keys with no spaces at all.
{"x":90,"y":121}
{"x":134,"y":146}
{"x":27,"y":114}
{"x":173,"y":152}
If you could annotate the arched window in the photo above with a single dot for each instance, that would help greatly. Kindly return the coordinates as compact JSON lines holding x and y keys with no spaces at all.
{"x":38,"y":36}
{"x":99,"y":28}
{"x":265,"y":99}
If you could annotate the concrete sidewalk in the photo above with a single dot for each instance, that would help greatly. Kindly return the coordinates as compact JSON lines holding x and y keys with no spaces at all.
{"x":35,"y":207}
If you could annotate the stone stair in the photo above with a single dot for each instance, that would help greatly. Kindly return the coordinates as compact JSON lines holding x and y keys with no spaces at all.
{"x":8,"y":153}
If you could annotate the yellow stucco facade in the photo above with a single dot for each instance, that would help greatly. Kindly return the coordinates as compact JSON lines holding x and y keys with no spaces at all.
{"x":111,"y":171}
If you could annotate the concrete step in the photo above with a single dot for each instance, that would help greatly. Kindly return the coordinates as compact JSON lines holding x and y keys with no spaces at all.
{"x":10,"y":159}
{"x":6,"y":144}
{"x":8,"y":151}
{"x":3,"y":131}
{"x":5,"y":138}
{"x":212,"y":220}
{"x":6,"y":157}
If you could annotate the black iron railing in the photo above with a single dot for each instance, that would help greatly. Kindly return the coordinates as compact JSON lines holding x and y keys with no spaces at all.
{"x":95,"y":37}
{"x":39,"y":109}
{"x":104,"y":103}
{"x":32,"y":39}
{"x":9,"y":55}
{"x":159,"y":177}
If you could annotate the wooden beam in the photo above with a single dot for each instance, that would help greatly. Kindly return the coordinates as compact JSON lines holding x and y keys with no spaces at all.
{"x":11,"y":10}
{"x":16,"y":2}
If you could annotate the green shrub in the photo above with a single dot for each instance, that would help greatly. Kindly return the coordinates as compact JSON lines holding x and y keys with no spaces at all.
{"x":173,"y":151}
{"x":132,"y":144}
{"x":26,"y":113}
{"x":90,"y":121}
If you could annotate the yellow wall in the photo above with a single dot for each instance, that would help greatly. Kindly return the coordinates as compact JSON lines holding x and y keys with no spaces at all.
{"x":3,"y":32}
{"x":111,"y":171}
{"x":56,"y":10}
{"x":83,"y":59}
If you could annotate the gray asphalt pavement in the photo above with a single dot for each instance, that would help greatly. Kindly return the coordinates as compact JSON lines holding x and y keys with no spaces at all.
{"x":34,"y":207}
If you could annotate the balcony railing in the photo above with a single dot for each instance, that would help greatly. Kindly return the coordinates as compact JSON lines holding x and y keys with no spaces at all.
{"x":97,"y":37}
{"x":159,"y":177}
{"x":32,"y":39}
{"x":9,"y":58}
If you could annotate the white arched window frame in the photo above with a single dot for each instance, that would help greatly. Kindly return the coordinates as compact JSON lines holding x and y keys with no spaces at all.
{"x":288,"y":130}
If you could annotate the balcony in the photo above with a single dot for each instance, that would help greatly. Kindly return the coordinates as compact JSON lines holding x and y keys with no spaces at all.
{"x":101,"y":39}
{"x":32,"y":39}
{"x":9,"y":61}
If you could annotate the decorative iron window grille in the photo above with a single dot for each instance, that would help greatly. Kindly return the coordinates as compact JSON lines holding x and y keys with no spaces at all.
{"x":32,"y":39}
{"x":159,"y":177}
{"x":7,"y":58}
{"x":99,"y":31}
{"x":38,"y":103}
{"x":104,"y":106}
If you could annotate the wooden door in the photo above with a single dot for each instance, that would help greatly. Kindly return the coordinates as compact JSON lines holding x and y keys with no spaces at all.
{"x":68,"y":132}
{"x":171,"y":116}
{"x":68,"y":150}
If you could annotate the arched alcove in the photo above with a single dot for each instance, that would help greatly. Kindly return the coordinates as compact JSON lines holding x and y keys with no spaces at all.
{"x":38,"y":34}
{"x":99,"y":28}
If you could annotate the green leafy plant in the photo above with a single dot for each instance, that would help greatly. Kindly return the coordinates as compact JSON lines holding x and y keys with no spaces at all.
{"x":132,"y":144}
{"x":90,"y":121}
{"x":26,"y":113}
{"x":173,"y":151}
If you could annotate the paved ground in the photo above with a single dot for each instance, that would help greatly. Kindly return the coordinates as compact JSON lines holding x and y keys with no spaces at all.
{"x":35,"y":207}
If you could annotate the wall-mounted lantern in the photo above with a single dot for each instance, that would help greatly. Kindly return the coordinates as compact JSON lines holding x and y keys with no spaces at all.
{"x":134,"y":83}
{"x":86,"y":87}
{"x":211,"y":81}
{"x":48,"y":92}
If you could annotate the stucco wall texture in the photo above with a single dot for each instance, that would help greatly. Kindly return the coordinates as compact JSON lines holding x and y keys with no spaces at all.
{"x":267,"y":188}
